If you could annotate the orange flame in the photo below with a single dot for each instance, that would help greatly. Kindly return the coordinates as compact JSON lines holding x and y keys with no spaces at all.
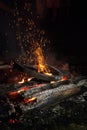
{"x":40,"y":60}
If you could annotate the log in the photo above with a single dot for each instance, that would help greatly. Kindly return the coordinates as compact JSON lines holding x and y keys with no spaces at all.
{"x":49,"y":98}
{"x":5,"y":67}
{"x":31,"y":71}
{"x":46,"y":96}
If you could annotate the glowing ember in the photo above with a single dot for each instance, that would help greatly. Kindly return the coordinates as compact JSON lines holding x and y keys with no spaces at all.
{"x":29,"y":79}
{"x":19,"y":91}
{"x":23,"y":89}
{"x":28,"y":100}
{"x":24,"y":80}
{"x":48,"y":74}
{"x":11,"y":121}
{"x":64,"y":78}
{"x":13,"y":93}
{"x":52,"y":82}
{"x":21,"y":82}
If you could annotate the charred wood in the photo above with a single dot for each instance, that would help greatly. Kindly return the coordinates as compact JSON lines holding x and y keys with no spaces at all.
{"x":31,"y":71}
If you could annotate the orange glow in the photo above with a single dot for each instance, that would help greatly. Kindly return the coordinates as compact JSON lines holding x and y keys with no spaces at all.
{"x":28,"y":100}
{"x":40,"y":61}
{"x":13,"y":93}
{"x":29,"y":79}
{"x":52,"y":82}
{"x":48,"y":74}
{"x":25,"y":79}
{"x":19,"y":91}
{"x":21,"y":82}
{"x":22,"y":89}
{"x":64,"y":78}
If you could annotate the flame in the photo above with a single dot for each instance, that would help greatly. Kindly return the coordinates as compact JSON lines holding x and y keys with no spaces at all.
{"x":40,"y":60}
{"x":28,"y":100}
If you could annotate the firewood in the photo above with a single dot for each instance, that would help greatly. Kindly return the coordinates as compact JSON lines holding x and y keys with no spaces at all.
{"x":48,"y":98}
{"x":31,"y":71}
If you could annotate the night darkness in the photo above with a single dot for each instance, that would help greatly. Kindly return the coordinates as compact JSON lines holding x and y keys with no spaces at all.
{"x":67,"y":33}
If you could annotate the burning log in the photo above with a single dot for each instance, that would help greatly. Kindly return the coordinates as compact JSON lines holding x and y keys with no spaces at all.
{"x":40,"y":96}
{"x":51,"y":97}
{"x":31,"y":71}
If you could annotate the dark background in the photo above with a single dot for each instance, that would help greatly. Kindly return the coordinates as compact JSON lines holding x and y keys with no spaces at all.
{"x":67,"y":33}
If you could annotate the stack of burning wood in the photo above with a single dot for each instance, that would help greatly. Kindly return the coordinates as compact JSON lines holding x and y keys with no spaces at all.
{"x":41,"y":92}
